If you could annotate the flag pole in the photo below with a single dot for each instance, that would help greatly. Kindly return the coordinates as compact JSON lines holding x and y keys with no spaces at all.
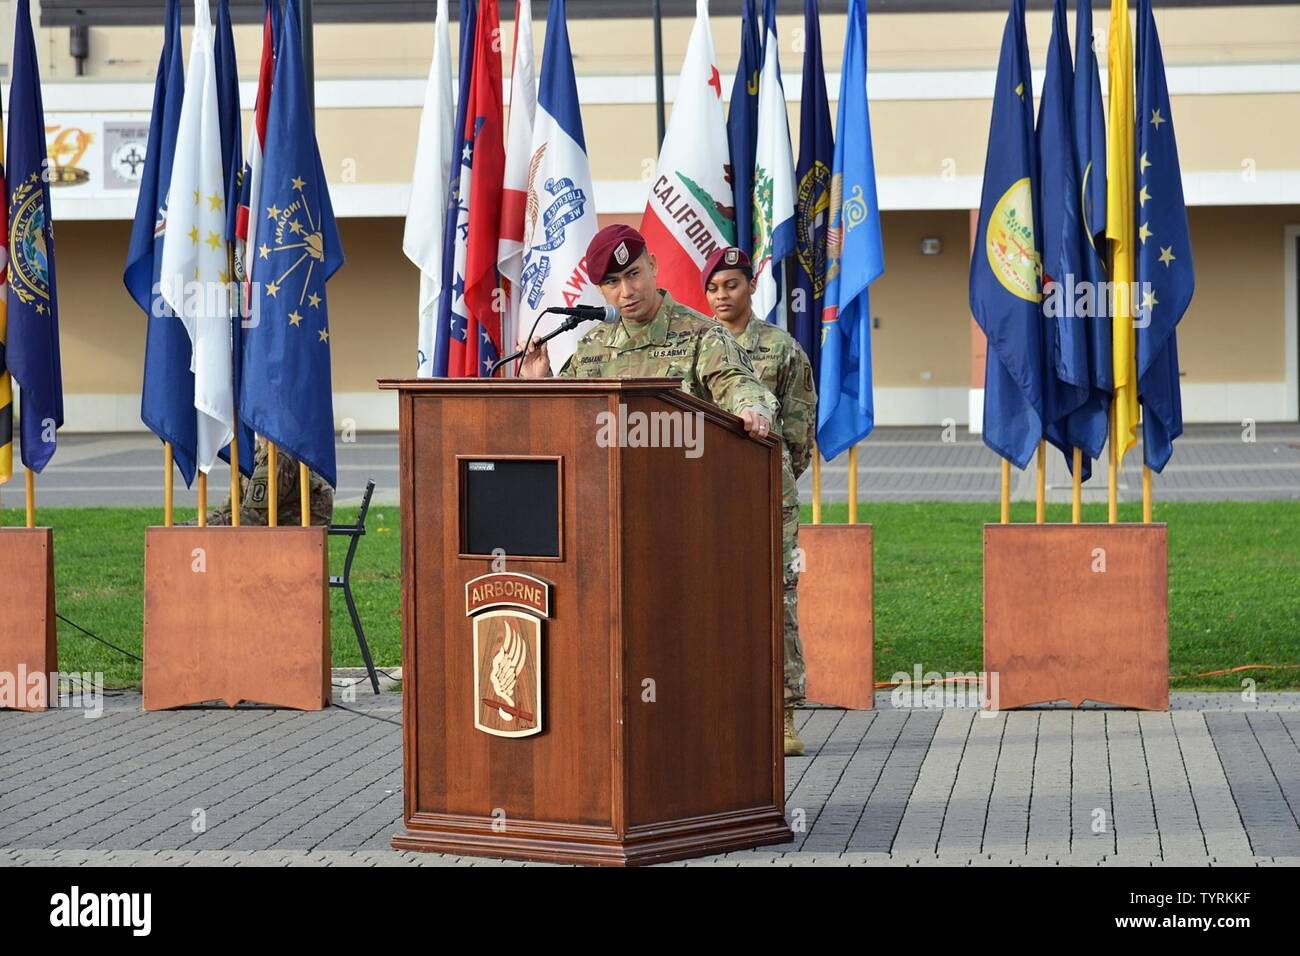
{"x":1112,"y":492}
{"x":167,"y":484}
{"x":31,"y":498}
{"x":235,"y":503}
{"x":853,"y":485}
{"x":1006,"y":492}
{"x":272,"y":486}
{"x":1076,"y":504}
{"x":659,"y":74}
{"x":203,"y":499}
{"x":817,"y":486}
{"x":304,"y":494}
{"x":1040,"y":503}
{"x":1146,"y":494}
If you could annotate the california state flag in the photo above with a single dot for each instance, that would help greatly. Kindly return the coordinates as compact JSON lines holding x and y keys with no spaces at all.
{"x":691,"y":210}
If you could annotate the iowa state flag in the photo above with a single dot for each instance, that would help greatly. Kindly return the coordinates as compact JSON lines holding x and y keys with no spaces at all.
{"x":286,"y":390}
{"x":560,"y":211}
{"x":691,"y":211}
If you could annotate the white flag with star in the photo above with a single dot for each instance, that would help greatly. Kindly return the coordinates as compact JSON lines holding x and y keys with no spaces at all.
{"x":195,"y":276}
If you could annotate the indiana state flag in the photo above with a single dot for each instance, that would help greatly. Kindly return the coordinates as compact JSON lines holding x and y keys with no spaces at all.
{"x":1165,"y":275}
{"x":1005,"y":272}
{"x":32,"y":346}
{"x":855,"y":258}
{"x":286,"y":394}
{"x":560,"y":216}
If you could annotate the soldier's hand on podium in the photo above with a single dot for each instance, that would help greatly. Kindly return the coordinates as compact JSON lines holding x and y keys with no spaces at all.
{"x":755,"y":423}
{"x":536,"y":362}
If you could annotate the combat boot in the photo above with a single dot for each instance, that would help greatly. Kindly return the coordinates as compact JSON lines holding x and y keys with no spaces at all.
{"x":793,"y":745}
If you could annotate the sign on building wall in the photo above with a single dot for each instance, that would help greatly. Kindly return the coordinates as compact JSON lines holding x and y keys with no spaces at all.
{"x":92,"y":156}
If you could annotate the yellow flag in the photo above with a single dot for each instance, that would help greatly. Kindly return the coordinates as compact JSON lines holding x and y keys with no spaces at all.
{"x":1120,"y":226}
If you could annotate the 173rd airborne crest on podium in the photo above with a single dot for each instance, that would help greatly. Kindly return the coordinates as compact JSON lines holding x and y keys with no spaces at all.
{"x":508,"y":609}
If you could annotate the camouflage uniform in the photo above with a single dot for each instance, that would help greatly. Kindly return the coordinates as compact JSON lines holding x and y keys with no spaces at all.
{"x":784,"y":368}
{"x":677,"y":343}
{"x":253,"y":494}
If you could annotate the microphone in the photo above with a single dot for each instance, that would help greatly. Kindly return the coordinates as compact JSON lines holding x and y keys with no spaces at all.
{"x":596,"y":313}
{"x":576,"y":315}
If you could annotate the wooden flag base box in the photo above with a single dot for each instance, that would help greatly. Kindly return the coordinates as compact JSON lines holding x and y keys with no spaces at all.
{"x":235,"y":614}
{"x":27,"y":626}
{"x":1077,"y":612}
{"x":835,"y":614}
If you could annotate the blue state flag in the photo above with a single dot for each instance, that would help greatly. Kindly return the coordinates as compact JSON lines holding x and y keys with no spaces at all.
{"x":232,"y":162}
{"x":1089,"y":424}
{"x":812,"y":195}
{"x":287,"y":394}
{"x":1006,"y":264}
{"x":1065,"y":338}
{"x":167,"y":392}
{"x":33,"y":337}
{"x":855,"y":259}
{"x":1165,"y":276}
{"x":742,"y":124}
{"x":456,"y":203}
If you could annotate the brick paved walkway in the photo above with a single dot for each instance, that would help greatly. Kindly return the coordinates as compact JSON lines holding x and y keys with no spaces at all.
{"x":1215,"y":781}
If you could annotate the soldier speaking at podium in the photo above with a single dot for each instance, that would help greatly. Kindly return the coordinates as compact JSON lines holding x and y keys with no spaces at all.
{"x":784,"y":369}
{"x":657,"y":337}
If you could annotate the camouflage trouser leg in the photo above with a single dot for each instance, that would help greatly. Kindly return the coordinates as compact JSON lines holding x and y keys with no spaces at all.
{"x":794,"y":669}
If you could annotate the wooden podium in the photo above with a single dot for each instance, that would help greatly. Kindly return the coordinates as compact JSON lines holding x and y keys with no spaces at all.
{"x":607,"y":687}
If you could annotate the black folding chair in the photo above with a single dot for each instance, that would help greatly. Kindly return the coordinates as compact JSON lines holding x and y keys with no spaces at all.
{"x":355,"y":531}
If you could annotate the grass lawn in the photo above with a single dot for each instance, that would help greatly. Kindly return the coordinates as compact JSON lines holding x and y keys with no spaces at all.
{"x":1234,"y":583}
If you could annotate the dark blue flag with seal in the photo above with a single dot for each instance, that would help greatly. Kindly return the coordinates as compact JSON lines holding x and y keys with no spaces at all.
{"x":1006,"y":265}
{"x":1065,"y":338}
{"x":167,"y":392}
{"x":287,"y":394}
{"x":812,"y":199}
{"x":1164,"y":274}
{"x":742,"y":124}
{"x":33,"y":335}
{"x":1089,"y":424}
{"x":232,"y":164}
{"x":444,"y":320}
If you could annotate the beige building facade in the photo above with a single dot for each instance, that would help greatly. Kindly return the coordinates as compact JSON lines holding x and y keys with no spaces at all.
{"x":1234,"y":77}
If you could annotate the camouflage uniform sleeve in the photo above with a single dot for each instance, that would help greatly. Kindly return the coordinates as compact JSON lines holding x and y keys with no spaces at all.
{"x":798,"y":408}
{"x":726,"y":371}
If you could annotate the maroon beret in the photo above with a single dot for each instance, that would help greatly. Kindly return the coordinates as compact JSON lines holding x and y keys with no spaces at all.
{"x":728,"y":257}
{"x":612,"y":250}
